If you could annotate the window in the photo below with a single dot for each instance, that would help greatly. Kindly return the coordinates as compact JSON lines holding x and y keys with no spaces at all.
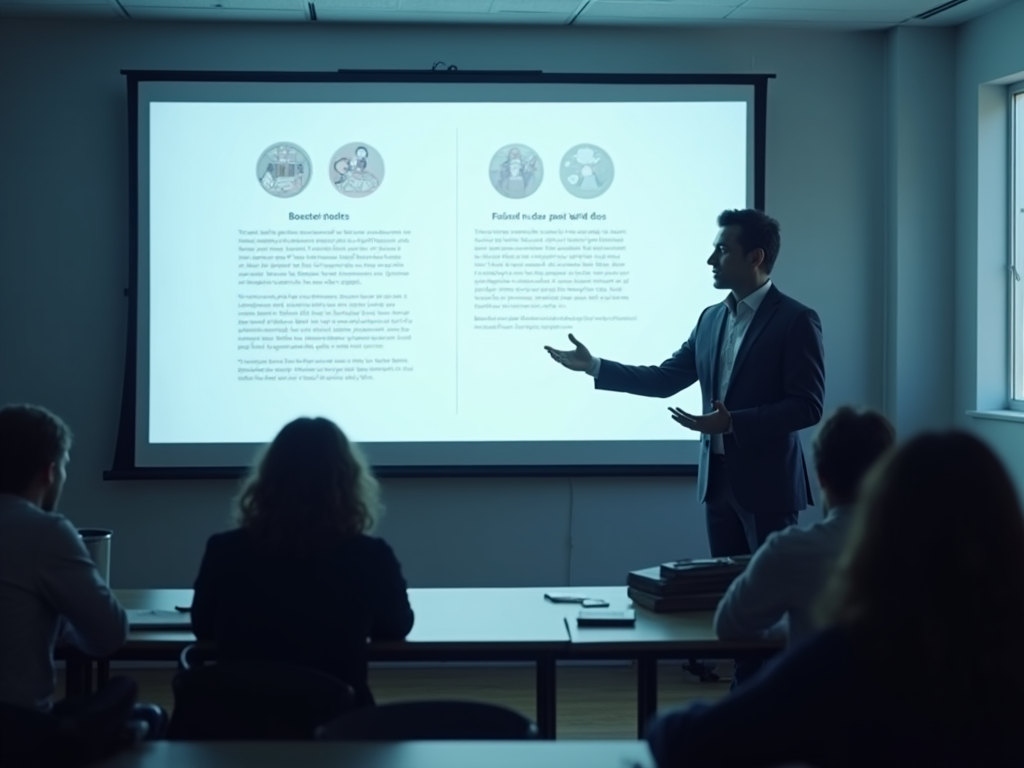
{"x":1017,"y":248}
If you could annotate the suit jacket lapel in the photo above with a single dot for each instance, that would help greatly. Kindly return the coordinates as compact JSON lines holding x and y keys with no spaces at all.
{"x":717,"y":333}
{"x":757,"y":324}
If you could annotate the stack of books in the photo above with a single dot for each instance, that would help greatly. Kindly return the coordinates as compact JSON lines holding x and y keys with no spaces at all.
{"x":684,"y":585}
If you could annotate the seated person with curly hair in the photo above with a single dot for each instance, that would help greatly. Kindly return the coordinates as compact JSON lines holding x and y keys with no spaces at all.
{"x":302,"y":557}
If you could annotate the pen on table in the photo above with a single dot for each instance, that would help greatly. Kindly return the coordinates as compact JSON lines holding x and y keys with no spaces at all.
{"x":182,"y":608}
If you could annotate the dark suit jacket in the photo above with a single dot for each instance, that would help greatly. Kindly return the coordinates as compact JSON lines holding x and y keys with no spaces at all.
{"x":776,"y":389}
{"x":316,"y":611}
{"x":824,"y":704}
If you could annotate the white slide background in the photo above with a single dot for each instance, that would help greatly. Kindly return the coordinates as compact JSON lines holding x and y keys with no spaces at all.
{"x":677,"y":165}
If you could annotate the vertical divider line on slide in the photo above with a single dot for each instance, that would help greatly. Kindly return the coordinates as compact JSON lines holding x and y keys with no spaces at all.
{"x":457,"y":297}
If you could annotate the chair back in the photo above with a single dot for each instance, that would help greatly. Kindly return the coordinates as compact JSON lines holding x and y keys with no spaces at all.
{"x":430,"y":720}
{"x":77,"y":732}
{"x":254,"y":700}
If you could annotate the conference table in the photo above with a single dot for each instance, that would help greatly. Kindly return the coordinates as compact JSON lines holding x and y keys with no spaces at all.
{"x":409,"y":754}
{"x":482,"y":624}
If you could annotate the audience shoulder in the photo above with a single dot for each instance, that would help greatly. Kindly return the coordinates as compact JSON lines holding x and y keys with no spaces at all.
{"x":225,"y":538}
{"x":385,"y":553}
{"x":380,"y":545}
{"x":59,"y":526}
{"x":778,"y":541}
{"x":225,"y":544}
{"x":793,"y":539}
{"x":778,"y":548}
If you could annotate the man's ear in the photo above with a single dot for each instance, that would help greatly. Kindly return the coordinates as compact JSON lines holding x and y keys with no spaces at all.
{"x":49,"y":475}
{"x":756,"y":257}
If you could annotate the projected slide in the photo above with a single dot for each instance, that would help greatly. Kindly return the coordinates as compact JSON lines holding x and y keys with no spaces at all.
{"x":399,"y":266}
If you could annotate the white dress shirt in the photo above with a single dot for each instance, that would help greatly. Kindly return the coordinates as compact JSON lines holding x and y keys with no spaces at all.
{"x":737,"y":322}
{"x":776,"y":593}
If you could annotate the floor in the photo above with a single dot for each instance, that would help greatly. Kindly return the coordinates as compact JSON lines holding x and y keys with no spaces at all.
{"x":594,"y":702}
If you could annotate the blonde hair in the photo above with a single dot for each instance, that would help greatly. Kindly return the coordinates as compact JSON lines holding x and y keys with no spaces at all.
{"x":310,"y":482}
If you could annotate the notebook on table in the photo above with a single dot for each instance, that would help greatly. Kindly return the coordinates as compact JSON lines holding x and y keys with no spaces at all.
{"x":651,"y":581}
{"x":149,"y":618}
{"x":674,"y":603}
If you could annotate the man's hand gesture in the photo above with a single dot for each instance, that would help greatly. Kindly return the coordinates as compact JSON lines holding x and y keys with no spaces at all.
{"x":714,"y":423}
{"x":578,"y":359}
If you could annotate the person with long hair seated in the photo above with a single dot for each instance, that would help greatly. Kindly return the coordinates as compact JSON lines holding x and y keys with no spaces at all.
{"x":932,"y":579}
{"x":300,"y":580}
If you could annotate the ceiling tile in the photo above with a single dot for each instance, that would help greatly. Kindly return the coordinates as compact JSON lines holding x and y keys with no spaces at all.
{"x":64,"y":3}
{"x":356,"y":4}
{"x":182,"y":13}
{"x":218,"y":5}
{"x":446,"y":6}
{"x":671,"y":3}
{"x":652,"y":10}
{"x":907,"y":7}
{"x":960,"y":13}
{"x":563,"y":7}
{"x":96,"y":8}
{"x":880,"y":16}
{"x":422,"y":17}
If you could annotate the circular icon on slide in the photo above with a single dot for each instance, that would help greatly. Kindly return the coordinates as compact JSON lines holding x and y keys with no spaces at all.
{"x":586,"y":171}
{"x":516,"y":171}
{"x":357,"y":169}
{"x":283,"y":170}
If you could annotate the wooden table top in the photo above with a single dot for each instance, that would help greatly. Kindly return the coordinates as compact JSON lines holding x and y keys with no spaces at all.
{"x":496,"y":618}
{"x":410,"y":754}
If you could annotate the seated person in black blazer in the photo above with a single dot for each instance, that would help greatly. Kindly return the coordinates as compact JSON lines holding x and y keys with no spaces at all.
{"x":300,"y":581}
{"x":933,"y":579}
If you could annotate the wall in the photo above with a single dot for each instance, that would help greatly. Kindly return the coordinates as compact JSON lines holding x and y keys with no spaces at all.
{"x":920,"y":227}
{"x":989,"y":54}
{"x":63,"y":232}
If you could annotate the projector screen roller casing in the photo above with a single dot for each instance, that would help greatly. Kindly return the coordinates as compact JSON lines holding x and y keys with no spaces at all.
{"x":394,"y":254}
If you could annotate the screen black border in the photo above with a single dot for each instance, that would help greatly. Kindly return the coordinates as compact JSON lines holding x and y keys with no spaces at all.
{"x":123,"y":466}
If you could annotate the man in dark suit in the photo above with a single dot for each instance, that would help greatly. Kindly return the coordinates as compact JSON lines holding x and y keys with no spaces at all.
{"x":759,"y":359}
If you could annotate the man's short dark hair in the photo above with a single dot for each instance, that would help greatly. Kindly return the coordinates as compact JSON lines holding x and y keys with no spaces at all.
{"x":31,"y":439}
{"x":847,"y":446}
{"x":757,"y":230}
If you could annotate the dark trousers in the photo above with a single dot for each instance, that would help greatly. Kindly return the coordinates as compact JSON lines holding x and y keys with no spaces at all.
{"x":734,"y":531}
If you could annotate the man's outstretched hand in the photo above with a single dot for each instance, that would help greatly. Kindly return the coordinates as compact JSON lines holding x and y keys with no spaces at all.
{"x":578,"y":359}
{"x":714,"y":423}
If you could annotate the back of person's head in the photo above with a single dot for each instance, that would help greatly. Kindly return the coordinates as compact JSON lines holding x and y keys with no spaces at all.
{"x":32,"y":440}
{"x":756,"y":230}
{"x":934,"y":572}
{"x":847,"y":445}
{"x":310,"y":485}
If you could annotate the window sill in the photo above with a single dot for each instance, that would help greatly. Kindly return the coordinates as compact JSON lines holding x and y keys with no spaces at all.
{"x":1004,"y":415}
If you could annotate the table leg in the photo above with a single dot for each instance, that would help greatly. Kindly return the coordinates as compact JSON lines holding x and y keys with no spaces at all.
{"x":72,"y":675}
{"x":77,"y":674}
{"x":646,"y":693}
{"x":102,"y":673}
{"x":546,"y":707}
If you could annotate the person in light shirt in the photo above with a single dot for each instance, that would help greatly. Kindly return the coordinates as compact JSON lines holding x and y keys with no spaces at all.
{"x":775,"y":595}
{"x":49,"y":585}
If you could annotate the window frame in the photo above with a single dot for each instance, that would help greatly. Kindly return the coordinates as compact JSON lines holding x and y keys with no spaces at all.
{"x":1015,"y":265}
